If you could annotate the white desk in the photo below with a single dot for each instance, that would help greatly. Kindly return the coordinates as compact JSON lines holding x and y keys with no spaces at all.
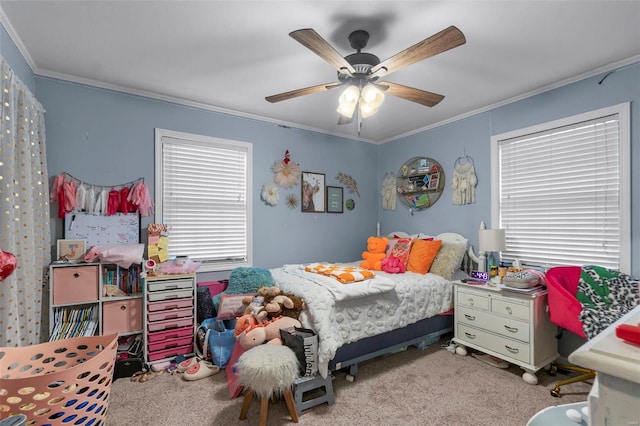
{"x":615,"y":396}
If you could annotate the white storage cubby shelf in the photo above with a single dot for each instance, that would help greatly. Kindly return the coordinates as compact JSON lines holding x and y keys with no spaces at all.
{"x":170,"y":316}
{"x":79,"y":305}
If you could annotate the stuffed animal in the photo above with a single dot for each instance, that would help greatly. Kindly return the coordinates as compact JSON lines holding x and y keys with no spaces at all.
{"x":393,"y":265}
{"x":376,"y":252}
{"x":256,"y":304}
{"x":285,"y":304}
{"x":250,"y":333}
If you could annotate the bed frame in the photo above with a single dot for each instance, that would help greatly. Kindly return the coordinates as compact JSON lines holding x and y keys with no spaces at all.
{"x":420,"y":334}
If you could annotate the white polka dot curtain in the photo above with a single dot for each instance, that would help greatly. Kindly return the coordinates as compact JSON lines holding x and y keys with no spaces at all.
{"x":24,"y":211}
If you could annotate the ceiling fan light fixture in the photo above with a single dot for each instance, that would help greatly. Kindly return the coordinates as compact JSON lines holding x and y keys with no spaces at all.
{"x":348,"y":101}
{"x":360,"y":71}
{"x":367,"y":110}
{"x":372,"y":96}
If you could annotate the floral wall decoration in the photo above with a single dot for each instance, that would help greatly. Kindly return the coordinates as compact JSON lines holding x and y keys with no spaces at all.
{"x":286,"y":172}
{"x":270,"y":194}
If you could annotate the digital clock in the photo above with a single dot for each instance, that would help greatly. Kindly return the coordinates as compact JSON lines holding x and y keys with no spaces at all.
{"x":480,"y":275}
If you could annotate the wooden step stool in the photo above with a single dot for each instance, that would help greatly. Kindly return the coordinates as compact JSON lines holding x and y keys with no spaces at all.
{"x":308,"y":387}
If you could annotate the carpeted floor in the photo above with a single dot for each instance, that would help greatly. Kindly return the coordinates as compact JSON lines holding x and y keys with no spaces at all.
{"x":414,"y":387}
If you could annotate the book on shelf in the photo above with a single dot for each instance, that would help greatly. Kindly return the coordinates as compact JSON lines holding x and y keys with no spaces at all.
{"x":74,"y":321}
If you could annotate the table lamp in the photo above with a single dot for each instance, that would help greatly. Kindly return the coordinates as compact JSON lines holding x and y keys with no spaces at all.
{"x":490,"y":240}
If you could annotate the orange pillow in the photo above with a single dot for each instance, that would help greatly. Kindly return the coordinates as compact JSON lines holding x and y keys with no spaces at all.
{"x":422,"y":255}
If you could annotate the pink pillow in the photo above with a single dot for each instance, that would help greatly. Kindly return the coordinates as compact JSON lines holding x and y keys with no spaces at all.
{"x":400,"y":248}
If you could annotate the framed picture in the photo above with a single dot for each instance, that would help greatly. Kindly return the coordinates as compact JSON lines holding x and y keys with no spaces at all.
{"x":334,"y":199}
{"x":312,"y":192}
{"x":71,"y":250}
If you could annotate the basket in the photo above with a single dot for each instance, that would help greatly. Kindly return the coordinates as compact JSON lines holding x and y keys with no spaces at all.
{"x":65,"y":381}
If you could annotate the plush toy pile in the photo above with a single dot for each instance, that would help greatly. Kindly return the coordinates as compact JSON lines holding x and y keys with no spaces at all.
{"x":266,"y":313}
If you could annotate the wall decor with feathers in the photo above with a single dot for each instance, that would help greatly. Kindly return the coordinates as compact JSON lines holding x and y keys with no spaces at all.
{"x":349,"y":182}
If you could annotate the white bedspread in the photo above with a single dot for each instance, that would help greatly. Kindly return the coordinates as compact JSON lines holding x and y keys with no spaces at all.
{"x":376,"y":285}
{"x":414,"y":297}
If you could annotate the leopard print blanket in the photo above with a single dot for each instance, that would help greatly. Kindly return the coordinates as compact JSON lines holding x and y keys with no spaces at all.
{"x":605,"y":296}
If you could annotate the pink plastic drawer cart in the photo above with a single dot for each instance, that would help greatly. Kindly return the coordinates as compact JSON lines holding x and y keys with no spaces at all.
{"x":61,"y":382}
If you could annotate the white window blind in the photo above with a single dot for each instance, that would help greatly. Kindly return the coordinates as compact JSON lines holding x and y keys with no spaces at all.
{"x":203,"y":193}
{"x":562,"y":194}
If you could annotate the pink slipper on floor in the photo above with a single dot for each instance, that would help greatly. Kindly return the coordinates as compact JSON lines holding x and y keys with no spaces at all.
{"x":187,"y":364}
{"x":201,"y":370}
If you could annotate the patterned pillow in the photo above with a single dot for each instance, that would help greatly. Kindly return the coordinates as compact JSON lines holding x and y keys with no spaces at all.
{"x":422,"y":254}
{"x":400,"y":248}
{"x":605,"y":295}
{"x":448,"y":259}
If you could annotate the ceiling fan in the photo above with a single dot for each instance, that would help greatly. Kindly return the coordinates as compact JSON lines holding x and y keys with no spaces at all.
{"x":361,"y":72}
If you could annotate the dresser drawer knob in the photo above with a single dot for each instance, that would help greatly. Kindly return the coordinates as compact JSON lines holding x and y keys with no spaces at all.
{"x":123,"y":308}
{"x":511,"y":329}
{"x":512,"y":350}
{"x":509,"y":311}
{"x":469,"y":335}
{"x":470,"y":317}
{"x":76,"y":275}
{"x":471,"y":301}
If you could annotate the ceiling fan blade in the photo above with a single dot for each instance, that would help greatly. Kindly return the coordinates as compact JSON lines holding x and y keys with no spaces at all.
{"x":412,"y":94}
{"x":301,"y":92}
{"x":441,"y":42}
{"x":314,"y":42}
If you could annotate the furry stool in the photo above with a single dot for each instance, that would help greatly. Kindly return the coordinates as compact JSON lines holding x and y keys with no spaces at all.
{"x":264,"y":371}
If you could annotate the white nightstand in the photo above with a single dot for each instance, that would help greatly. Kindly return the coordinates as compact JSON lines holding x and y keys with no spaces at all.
{"x":511,"y":326}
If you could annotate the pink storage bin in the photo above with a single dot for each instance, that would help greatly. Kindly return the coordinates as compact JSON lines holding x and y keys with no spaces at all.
{"x":168,"y":344}
{"x":170,"y":314}
{"x":169,"y":353}
{"x":170,"y":334}
{"x":169,"y":324}
{"x":215,"y":287}
{"x":170,"y":304}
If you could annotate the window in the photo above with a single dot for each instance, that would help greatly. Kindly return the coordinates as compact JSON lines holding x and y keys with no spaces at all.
{"x":561,"y":191}
{"x":203,"y":193}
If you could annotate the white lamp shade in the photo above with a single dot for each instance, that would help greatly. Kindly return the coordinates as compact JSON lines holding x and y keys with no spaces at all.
{"x":372,"y":96}
{"x":348,"y":101}
{"x":366,"y":110}
{"x":491,"y":240}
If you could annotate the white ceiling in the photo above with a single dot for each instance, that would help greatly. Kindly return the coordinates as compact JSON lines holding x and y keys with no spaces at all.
{"x":229,"y":55}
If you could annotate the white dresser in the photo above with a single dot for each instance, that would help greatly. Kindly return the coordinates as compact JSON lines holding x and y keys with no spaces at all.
{"x":514,"y":327}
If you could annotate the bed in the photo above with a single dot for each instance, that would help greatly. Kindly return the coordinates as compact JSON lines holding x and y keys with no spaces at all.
{"x":395,"y":311}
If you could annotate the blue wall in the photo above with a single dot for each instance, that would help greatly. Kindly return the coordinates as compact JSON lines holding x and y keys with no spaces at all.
{"x":106,"y":137}
{"x":472,"y":136}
